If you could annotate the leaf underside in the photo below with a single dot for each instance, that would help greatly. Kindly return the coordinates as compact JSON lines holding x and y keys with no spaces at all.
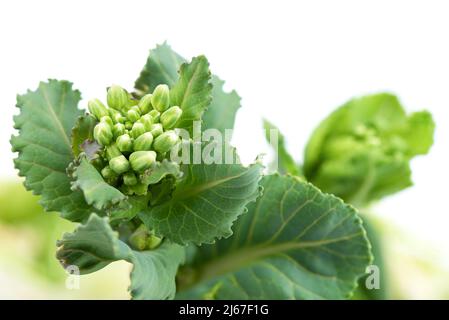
{"x":94,"y":245}
{"x":294,"y":243}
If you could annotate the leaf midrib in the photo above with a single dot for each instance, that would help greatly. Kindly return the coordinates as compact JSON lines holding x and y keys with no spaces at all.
{"x":191,"y":192}
{"x":55,"y":118}
{"x":235,"y":260}
{"x":189,"y":84}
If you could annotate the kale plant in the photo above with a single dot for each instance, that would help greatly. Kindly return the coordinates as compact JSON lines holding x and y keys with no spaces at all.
{"x":128,"y":173}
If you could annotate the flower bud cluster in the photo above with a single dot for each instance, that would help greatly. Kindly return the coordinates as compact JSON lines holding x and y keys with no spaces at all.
{"x":134,"y":134}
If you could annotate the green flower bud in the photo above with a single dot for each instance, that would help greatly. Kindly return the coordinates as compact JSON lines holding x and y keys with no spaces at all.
{"x":118,"y":129}
{"x":145,"y":104}
{"x":98,"y":162}
{"x":103,"y":133}
{"x":138,"y":239}
{"x":137,"y":130}
{"x":130,"y":179}
{"x":161,"y":98}
{"x":112,"y":151}
{"x":132,"y":101}
{"x":128,"y":125}
{"x":132,"y":115}
{"x":155,"y":115}
{"x":143,"y":142}
{"x":153,"y":242}
{"x":147,"y":121}
{"x":124,"y":143}
{"x":107,"y":119}
{"x":108,"y":174}
{"x":117,"y":98}
{"x":156,"y":129}
{"x":170,"y":117}
{"x":116,"y":116}
{"x":165,"y":141}
{"x":139,"y":189}
{"x":119,"y":164}
{"x":97,"y":108}
{"x":142,"y":160}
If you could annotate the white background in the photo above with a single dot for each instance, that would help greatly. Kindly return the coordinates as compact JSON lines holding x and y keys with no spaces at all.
{"x":291,"y":61}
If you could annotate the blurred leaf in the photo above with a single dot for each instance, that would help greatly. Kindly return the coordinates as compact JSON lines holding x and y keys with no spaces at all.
{"x":361,"y":152}
{"x":362,"y":292}
{"x":20,"y":211}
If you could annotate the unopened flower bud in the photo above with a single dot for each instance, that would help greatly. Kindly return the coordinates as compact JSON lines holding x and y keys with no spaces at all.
{"x":170,"y":117}
{"x":139,"y":189}
{"x":112,"y":151}
{"x":129,"y":179}
{"x":107,"y":119}
{"x":132,"y":115}
{"x":116,"y":116}
{"x":153,"y":242}
{"x":143,"y":142}
{"x":165,"y":141}
{"x":108,"y":173}
{"x":138,"y":239}
{"x":124,"y":143}
{"x":117,"y":98}
{"x":156,"y":129}
{"x":128,"y":125}
{"x":147,"y":121}
{"x":97,"y":108}
{"x":155,"y":115}
{"x":137,"y":130}
{"x":118,"y":129}
{"x":98,"y":163}
{"x":119,"y":164}
{"x":145,"y":104}
{"x":142,"y":160}
{"x":161,"y":98}
{"x":132,"y":101}
{"x":103,"y":133}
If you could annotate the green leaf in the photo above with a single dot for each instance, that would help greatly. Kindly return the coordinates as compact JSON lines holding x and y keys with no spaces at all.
{"x":419,"y":132}
{"x":285,"y":162}
{"x":294,"y":243}
{"x":362,"y":151}
{"x":162,"y":67}
{"x":205,"y":203}
{"x":373,"y":233}
{"x":46,"y":118}
{"x":192,"y":92}
{"x":129,"y":208}
{"x":221,"y":112}
{"x":82,"y":131}
{"x":96,"y":191}
{"x":94,"y":245}
{"x":160,"y":170}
